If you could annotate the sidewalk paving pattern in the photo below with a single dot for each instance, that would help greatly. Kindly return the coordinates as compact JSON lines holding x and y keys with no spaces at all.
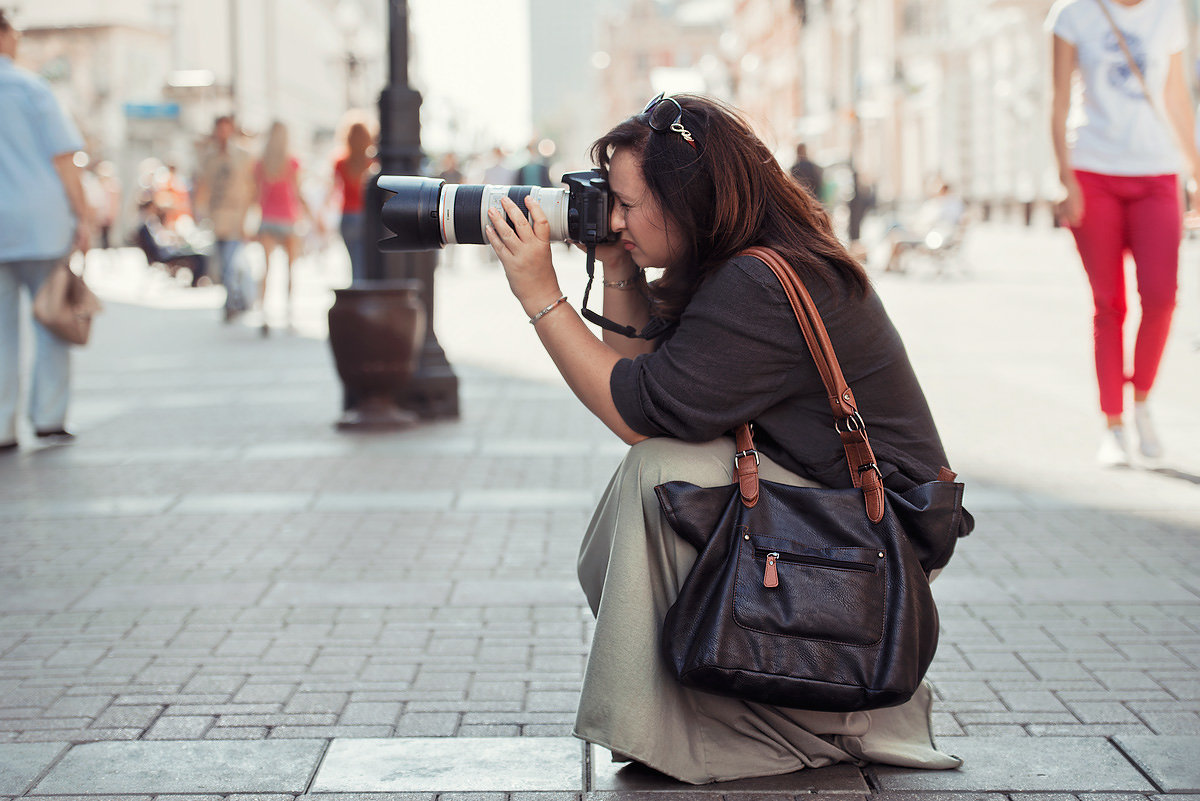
{"x":215,"y":595}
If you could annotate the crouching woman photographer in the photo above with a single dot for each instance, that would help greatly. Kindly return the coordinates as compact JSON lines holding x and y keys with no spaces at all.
{"x":692,"y":187}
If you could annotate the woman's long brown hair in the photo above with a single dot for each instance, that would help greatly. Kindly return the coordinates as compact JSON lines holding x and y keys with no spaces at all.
{"x":723,"y":196}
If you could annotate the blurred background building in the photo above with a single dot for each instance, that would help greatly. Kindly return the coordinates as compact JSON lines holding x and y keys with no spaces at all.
{"x":902,"y":91}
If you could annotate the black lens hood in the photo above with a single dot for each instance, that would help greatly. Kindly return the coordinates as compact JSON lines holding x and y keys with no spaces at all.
{"x":411,"y":213}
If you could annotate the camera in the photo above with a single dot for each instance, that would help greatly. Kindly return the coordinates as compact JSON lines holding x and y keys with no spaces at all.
{"x":428,"y":213}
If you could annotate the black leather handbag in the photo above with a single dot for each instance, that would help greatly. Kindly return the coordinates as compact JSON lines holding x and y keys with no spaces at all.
{"x":809,"y":597}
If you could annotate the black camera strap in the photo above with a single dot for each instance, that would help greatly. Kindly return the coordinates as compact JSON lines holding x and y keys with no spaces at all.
{"x":653,"y":330}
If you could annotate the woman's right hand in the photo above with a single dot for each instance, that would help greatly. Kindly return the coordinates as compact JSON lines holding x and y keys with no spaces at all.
{"x":1069,"y":210}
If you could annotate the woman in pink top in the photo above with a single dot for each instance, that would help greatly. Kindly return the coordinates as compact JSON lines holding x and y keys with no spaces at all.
{"x":279,"y":198}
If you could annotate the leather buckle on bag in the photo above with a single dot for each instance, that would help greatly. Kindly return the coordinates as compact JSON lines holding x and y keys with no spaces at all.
{"x":853,"y":423}
{"x":872,"y":466}
{"x":742,"y":454}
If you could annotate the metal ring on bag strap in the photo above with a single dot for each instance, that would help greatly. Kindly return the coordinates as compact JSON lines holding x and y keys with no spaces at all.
{"x":841,"y":397}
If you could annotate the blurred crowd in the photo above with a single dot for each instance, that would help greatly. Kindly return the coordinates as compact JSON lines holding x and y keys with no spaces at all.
{"x":256,"y":189}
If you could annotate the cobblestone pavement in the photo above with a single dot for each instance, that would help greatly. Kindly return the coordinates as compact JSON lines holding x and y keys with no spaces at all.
{"x":213,"y":594}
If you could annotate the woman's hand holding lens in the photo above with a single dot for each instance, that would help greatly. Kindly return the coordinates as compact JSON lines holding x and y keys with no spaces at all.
{"x":523,"y":247}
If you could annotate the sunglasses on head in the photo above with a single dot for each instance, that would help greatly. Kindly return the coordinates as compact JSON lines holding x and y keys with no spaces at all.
{"x":665,"y":114}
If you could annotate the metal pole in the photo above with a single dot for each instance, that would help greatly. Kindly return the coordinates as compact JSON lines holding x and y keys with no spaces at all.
{"x":433,"y":391}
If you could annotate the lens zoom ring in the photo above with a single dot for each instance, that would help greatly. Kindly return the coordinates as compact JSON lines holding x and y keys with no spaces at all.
{"x":468,"y":229}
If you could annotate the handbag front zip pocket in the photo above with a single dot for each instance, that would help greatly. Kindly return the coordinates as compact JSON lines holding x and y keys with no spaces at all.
{"x":771,"y":573}
{"x":788,"y":590}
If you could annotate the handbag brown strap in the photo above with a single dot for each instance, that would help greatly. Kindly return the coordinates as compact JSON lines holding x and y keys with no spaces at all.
{"x":864,"y":472}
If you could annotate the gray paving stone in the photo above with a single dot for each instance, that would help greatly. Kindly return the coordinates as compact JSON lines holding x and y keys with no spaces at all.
{"x":1171,"y":762}
{"x":1069,"y":589}
{"x":514,"y":592}
{"x":428,"y":724}
{"x":185,"y":767}
{"x":238,"y":733}
{"x":240,"y":503}
{"x":1103,"y":712}
{"x":485,"y":764}
{"x":520,"y":499}
{"x":357,"y":593}
{"x":371,"y":797}
{"x":328,"y":732}
{"x":182,"y":727}
{"x":72,"y":705}
{"x":358,"y":713}
{"x":21,"y":763}
{"x":1176,"y":723}
{"x":144,"y":596}
{"x":19,"y":597}
{"x":609,"y":776}
{"x":128,"y":716}
{"x":889,"y":796}
{"x":88,"y":508}
{"x":392,"y":501}
{"x":1023,"y":764}
{"x":79,"y":736}
{"x":968,"y":588}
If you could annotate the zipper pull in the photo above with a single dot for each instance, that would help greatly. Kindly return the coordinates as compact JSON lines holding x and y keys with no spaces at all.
{"x":771,"y":577}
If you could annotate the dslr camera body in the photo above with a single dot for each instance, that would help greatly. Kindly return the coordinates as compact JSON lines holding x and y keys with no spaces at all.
{"x":427,"y":213}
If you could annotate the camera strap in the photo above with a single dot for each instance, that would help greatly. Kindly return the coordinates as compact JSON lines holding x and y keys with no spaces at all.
{"x":653,"y":330}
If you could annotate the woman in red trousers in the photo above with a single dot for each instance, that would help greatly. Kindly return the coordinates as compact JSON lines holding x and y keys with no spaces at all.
{"x":1121,"y":176}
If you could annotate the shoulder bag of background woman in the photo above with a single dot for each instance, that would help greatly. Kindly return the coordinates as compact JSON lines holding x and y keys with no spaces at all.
{"x":809,"y":597}
{"x":65,"y":305}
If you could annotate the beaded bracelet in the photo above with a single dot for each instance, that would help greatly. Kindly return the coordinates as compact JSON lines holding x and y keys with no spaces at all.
{"x":533,"y":320}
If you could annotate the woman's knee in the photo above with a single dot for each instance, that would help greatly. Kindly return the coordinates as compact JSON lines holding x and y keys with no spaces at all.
{"x":662,"y":459}
{"x":1109,"y":311}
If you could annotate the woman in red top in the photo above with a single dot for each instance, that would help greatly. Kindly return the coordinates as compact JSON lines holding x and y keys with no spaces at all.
{"x":350,"y":174}
{"x":278,"y":177}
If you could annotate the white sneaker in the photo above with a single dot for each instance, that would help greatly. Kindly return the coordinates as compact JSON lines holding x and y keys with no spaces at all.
{"x":1148,"y":442}
{"x":1113,"y":451}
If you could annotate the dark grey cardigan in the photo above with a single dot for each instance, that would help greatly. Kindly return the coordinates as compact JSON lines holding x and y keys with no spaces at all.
{"x":737,"y":354}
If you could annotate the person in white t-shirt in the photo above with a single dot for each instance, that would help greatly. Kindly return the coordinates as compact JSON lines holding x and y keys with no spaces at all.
{"x":1121,"y":173}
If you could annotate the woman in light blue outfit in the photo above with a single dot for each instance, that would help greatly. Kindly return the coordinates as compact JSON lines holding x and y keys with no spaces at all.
{"x":43,"y":219}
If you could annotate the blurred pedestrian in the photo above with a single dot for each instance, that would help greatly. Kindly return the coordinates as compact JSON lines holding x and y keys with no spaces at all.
{"x":224,"y":192}
{"x":44,"y":218}
{"x":534,"y":172}
{"x":449,"y":172}
{"x":862,"y":200}
{"x":939,"y":222}
{"x":109,"y":208}
{"x":278,"y":177}
{"x":166,"y":247}
{"x":1121,"y":177}
{"x":351,"y":171}
{"x":499,"y":172}
{"x":172,"y":197}
{"x":808,"y":173}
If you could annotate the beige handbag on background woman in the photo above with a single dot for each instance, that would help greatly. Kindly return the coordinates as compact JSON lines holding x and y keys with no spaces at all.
{"x":65,"y":305}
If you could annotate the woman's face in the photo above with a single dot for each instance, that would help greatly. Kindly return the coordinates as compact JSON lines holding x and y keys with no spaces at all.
{"x":646,"y":234}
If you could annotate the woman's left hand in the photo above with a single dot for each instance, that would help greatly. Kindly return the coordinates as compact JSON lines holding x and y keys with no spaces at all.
{"x":523,"y":247}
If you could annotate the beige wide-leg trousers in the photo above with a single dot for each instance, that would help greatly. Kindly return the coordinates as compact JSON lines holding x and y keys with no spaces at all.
{"x":631,"y":565}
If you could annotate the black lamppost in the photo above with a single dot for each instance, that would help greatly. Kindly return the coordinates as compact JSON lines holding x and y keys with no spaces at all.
{"x":433,"y":391}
